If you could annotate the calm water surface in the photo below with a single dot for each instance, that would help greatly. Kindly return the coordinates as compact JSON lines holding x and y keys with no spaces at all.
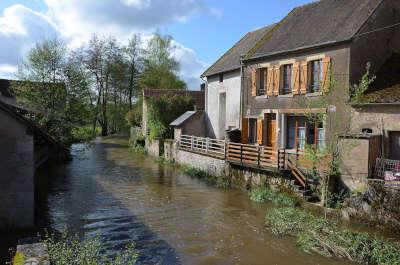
{"x":110,"y":192}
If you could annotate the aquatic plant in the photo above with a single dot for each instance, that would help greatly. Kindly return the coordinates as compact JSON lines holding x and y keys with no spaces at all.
{"x":264,"y":194}
{"x":70,"y":250}
{"x":219,"y":182}
{"x":322,"y":236}
{"x":19,"y":259}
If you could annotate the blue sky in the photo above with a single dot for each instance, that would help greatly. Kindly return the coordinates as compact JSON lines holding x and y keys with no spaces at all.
{"x":203,"y":29}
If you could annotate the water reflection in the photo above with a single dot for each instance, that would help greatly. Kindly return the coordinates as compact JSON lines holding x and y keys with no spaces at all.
{"x":111,"y":192}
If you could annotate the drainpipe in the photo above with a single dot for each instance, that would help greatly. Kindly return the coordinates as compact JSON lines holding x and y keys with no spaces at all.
{"x":205,"y":116}
{"x":241,"y":92}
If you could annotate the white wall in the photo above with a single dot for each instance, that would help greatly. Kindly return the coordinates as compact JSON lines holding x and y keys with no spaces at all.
{"x":231,"y":86}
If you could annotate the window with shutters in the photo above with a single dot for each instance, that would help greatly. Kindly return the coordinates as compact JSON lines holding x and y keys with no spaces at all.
{"x":262,"y":82}
{"x":316,"y":75}
{"x":287,"y":72}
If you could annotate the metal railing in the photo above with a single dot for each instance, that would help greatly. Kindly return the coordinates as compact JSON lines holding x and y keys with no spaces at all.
{"x":203,"y":145}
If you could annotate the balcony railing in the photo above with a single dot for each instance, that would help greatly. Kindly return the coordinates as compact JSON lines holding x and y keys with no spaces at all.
{"x":252,"y":155}
{"x":203,"y":145}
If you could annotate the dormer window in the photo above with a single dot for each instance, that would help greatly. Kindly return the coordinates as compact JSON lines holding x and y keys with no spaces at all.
{"x":287,"y":71}
{"x":316,"y":76}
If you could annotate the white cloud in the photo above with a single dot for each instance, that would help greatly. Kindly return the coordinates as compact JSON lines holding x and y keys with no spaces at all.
{"x":77,"y":20}
{"x":20,"y":28}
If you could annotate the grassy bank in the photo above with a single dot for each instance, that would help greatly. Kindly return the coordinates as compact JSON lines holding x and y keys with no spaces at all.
{"x":71,"y":250}
{"x":284,"y":198}
{"x":322,"y":236}
{"x":220,"y":182}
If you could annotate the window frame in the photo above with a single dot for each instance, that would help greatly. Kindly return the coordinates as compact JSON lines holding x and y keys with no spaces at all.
{"x":252,"y":135}
{"x":283,"y":90}
{"x":313,"y":85}
{"x":301,"y":133}
{"x":262,"y":82}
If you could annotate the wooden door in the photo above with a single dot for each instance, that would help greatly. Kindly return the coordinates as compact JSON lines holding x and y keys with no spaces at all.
{"x":394,"y":145}
{"x":271,"y":131}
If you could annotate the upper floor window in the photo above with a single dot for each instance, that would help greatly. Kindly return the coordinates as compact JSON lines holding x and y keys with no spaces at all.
{"x":221,"y":78}
{"x":315,"y":76}
{"x":262,"y":82}
{"x":287,"y":71}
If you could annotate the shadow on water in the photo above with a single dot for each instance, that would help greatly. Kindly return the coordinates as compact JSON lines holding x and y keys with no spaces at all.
{"x":71,"y":198}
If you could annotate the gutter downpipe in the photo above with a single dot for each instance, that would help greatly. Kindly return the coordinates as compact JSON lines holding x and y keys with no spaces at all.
{"x":205,"y":117}
{"x":241,"y":92}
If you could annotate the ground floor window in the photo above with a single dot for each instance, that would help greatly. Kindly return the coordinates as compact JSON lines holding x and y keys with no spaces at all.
{"x":301,"y":132}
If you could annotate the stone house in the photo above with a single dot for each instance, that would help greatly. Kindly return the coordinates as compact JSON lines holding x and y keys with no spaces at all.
{"x":24,"y":147}
{"x":224,"y":87}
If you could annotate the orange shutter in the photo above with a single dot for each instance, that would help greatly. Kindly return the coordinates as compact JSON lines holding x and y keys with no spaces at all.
{"x":245,"y":130}
{"x":296,"y":78}
{"x":265,"y":81}
{"x":277,"y":72}
{"x":260,"y":131}
{"x":254,"y":82}
{"x":303,"y":77}
{"x":270,"y":83}
{"x":325,"y":73}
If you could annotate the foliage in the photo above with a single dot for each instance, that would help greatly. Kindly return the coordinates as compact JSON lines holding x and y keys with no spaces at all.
{"x":134,"y":116}
{"x":219,"y":182}
{"x":83,"y":134}
{"x":160,"y":68}
{"x":162,"y":111}
{"x":358,"y":90}
{"x":263,"y":194}
{"x":70,"y":250}
{"x":326,"y":238}
{"x":19,"y":259}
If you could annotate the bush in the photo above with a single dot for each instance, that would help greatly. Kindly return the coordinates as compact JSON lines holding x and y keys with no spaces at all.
{"x":263,"y":194}
{"x":70,"y":250}
{"x":326,"y":238}
{"x":219,"y":182}
{"x":84,"y":133}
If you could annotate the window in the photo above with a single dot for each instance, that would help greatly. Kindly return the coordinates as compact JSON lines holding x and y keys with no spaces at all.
{"x":315,"y":76}
{"x":262,"y":82}
{"x":300,"y":132}
{"x":287,"y":79}
{"x":252,"y":131}
{"x":221,"y":78}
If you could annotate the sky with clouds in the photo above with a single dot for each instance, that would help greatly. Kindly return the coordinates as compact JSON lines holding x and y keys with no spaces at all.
{"x":202,"y":29}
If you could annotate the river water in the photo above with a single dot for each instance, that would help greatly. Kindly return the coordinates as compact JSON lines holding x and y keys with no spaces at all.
{"x":111,"y":192}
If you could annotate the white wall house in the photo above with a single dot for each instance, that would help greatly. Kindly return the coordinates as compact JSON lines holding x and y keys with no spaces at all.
{"x":224,"y":86}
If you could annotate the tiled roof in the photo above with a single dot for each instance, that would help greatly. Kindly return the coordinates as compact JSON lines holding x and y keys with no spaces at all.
{"x":231,"y":59}
{"x":198,"y":96}
{"x":385,"y":95}
{"x":319,"y":23}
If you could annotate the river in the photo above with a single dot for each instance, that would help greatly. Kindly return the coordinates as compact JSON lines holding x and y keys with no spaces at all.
{"x":111,"y":192}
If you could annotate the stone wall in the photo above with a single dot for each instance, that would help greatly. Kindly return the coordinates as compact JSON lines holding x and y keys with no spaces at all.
{"x":17,"y":174}
{"x":211,"y":165}
{"x":154,"y":147}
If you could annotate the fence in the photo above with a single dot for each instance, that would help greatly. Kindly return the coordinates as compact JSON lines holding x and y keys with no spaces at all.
{"x":203,"y":145}
{"x":252,"y":155}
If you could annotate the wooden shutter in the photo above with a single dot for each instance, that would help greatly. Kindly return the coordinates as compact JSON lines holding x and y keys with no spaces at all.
{"x":325,"y":73}
{"x":254,"y":82}
{"x":296,"y":78}
{"x":260,"y":131}
{"x":303,"y":77}
{"x":270,"y":82}
{"x":277,"y":78}
{"x":245,"y":130}
{"x":265,"y":71}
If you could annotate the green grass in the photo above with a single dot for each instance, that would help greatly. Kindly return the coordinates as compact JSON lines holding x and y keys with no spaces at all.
{"x":220,"y":182}
{"x":263,"y":194}
{"x":322,"y":236}
{"x":70,"y":250}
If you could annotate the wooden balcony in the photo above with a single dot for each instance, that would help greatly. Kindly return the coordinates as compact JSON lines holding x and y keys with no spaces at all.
{"x":253,"y":156}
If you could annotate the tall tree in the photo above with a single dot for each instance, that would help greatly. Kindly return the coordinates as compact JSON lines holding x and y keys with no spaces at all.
{"x":134,"y":54}
{"x":160,"y":68}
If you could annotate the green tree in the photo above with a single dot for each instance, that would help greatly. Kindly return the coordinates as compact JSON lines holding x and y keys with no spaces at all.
{"x":160,"y":68}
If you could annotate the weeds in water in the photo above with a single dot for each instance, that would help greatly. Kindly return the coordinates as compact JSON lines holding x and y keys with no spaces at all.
{"x":219,"y":182}
{"x":263,"y":194}
{"x":70,"y":250}
{"x":326,"y":238}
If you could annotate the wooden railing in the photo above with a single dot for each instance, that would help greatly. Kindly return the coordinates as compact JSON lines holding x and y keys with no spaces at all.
{"x":296,"y":172}
{"x":252,"y":155}
{"x":202,"y":145}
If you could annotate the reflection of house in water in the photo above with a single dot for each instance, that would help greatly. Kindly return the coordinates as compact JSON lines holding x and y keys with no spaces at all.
{"x":24,"y":147}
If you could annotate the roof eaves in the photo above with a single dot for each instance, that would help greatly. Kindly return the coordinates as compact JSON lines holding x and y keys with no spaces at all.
{"x":366,"y":20}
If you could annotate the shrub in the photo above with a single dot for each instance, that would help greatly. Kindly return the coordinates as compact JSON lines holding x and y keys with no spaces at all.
{"x":262,"y":194}
{"x":70,"y":250}
{"x":219,"y":182}
{"x":326,"y":238}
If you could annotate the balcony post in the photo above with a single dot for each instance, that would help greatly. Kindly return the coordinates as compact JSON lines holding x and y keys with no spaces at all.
{"x":207,"y":144}
{"x":192,"y":142}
